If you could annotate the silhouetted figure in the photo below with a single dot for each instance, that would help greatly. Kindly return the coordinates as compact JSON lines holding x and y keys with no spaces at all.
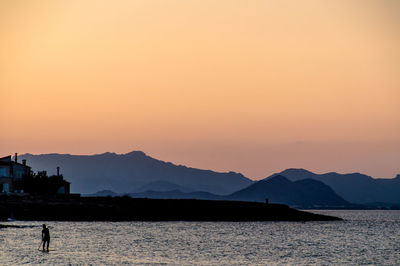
{"x":45,"y":237}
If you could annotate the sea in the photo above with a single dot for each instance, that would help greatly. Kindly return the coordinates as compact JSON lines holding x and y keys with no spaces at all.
{"x":363,"y":237}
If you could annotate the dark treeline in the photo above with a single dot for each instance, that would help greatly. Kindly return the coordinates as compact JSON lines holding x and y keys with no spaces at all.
{"x":40,"y":183}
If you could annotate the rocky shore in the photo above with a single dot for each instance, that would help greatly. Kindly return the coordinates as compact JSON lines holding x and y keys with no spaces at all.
{"x":67,"y":208}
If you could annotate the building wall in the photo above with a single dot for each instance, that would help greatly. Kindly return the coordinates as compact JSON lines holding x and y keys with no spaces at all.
{"x":5,"y":179}
{"x":4,"y":171}
{"x":6,"y":185}
{"x":20,"y":170}
{"x":12,"y":169}
{"x":9,"y":172}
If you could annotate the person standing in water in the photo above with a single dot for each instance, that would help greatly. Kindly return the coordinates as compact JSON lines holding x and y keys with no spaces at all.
{"x":45,"y":237}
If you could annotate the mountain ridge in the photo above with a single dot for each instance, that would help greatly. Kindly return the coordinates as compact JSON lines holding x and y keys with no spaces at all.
{"x":135,"y":171}
{"x":124,"y":173}
{"x":354,"y":187}
{"x":306,"y":193}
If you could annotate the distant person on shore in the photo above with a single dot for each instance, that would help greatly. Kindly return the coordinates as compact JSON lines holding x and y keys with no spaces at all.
{"x":45,"y":237}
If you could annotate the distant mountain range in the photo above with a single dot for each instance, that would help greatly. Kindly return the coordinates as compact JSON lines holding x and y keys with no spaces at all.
{"x":141,"y":176}
{"x":356,"y":188}
{"x":176,"y":194}
{"x":104,"y":193}
{"x":162,"y":186}
{"x":126,"y":173}
{"x":306,"y":193}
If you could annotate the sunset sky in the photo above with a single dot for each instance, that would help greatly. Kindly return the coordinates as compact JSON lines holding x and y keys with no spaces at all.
{"x":248,"y":86}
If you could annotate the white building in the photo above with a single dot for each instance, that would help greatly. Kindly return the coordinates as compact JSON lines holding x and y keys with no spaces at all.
{"x":11,"y":170}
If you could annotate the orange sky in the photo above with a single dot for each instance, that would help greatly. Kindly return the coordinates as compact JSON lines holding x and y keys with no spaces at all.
{"x":248,"y":86}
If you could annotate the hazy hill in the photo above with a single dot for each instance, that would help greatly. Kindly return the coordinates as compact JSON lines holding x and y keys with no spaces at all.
{"x":151,"y":194}
{"x":176,"y":194}
{"x":162,"y":186}
{"x":307,"y":193}
{"x":278,"y":189}
{"x":125,"y":173}
{"x":103,"y":193}
{"x":355,"y":188}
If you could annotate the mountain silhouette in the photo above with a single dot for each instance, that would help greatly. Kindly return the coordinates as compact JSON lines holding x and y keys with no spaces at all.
{"x":176,"y":194}
{"x":162,"y":186}
{"x":126,"y":173}
{"x":356,"y":188}
{"x":152,"y":194}
{"x":305,"y":193}
{"x":103,"y":193}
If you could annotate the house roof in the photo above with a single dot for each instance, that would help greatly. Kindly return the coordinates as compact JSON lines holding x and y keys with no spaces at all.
{"x":5,"y":160}
{"x":8,"y":161}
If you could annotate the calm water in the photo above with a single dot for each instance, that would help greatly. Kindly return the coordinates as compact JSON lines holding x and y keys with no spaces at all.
{"x":365,"y":237}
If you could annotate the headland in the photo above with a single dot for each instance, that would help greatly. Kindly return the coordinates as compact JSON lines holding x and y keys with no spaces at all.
{"x":69,"y":208}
